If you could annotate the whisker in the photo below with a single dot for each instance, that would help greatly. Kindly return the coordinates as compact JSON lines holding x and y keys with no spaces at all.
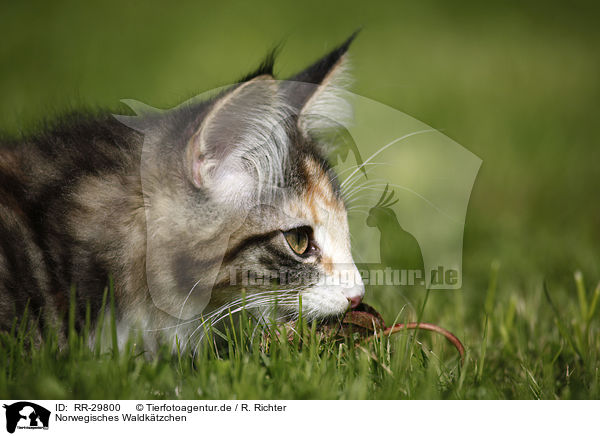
{"x":404,"y":188}
{"x":350,"y":168}
{"x":219,"y":314}
{"x":352,"y":180}
{"x":185,"y":302}
{"x":195,"y":319}
{"x":389,"y":144}
{"x":362,"y":212}
{"x":356,"y":189}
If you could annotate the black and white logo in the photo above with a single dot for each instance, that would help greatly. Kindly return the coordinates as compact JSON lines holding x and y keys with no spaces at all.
{"x":26,"y":415}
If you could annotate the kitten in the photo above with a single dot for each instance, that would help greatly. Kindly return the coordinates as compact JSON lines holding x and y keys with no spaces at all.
{"x":179,"y":207}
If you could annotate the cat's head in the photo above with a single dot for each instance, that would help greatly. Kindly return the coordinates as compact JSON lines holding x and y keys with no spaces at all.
{"x":241,"y":202}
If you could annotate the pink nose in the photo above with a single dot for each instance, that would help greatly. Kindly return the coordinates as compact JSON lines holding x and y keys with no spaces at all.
{"x":354,"y":302}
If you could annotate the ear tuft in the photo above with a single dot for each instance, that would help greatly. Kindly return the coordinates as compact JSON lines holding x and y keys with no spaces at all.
{"x":266,"y":66}
{"x":318,"y":93}
{"x":318,"y":71}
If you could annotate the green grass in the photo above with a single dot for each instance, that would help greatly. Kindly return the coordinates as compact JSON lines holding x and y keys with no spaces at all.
{"x":508,"y":356}
{"x":516,"y":84}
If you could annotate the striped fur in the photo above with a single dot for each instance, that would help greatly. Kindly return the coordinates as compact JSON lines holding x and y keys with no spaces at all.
{"x":169,"y":203}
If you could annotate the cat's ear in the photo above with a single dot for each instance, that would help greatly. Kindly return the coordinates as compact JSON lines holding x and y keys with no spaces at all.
{"x":240,"y":138}
{"x":318,"y":92}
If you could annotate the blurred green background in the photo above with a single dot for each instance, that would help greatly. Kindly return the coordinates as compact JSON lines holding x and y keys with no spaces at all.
{"x":516,"y":83}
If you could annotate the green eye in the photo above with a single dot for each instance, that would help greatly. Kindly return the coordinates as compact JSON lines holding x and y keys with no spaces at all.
{"x":298,"y":240}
